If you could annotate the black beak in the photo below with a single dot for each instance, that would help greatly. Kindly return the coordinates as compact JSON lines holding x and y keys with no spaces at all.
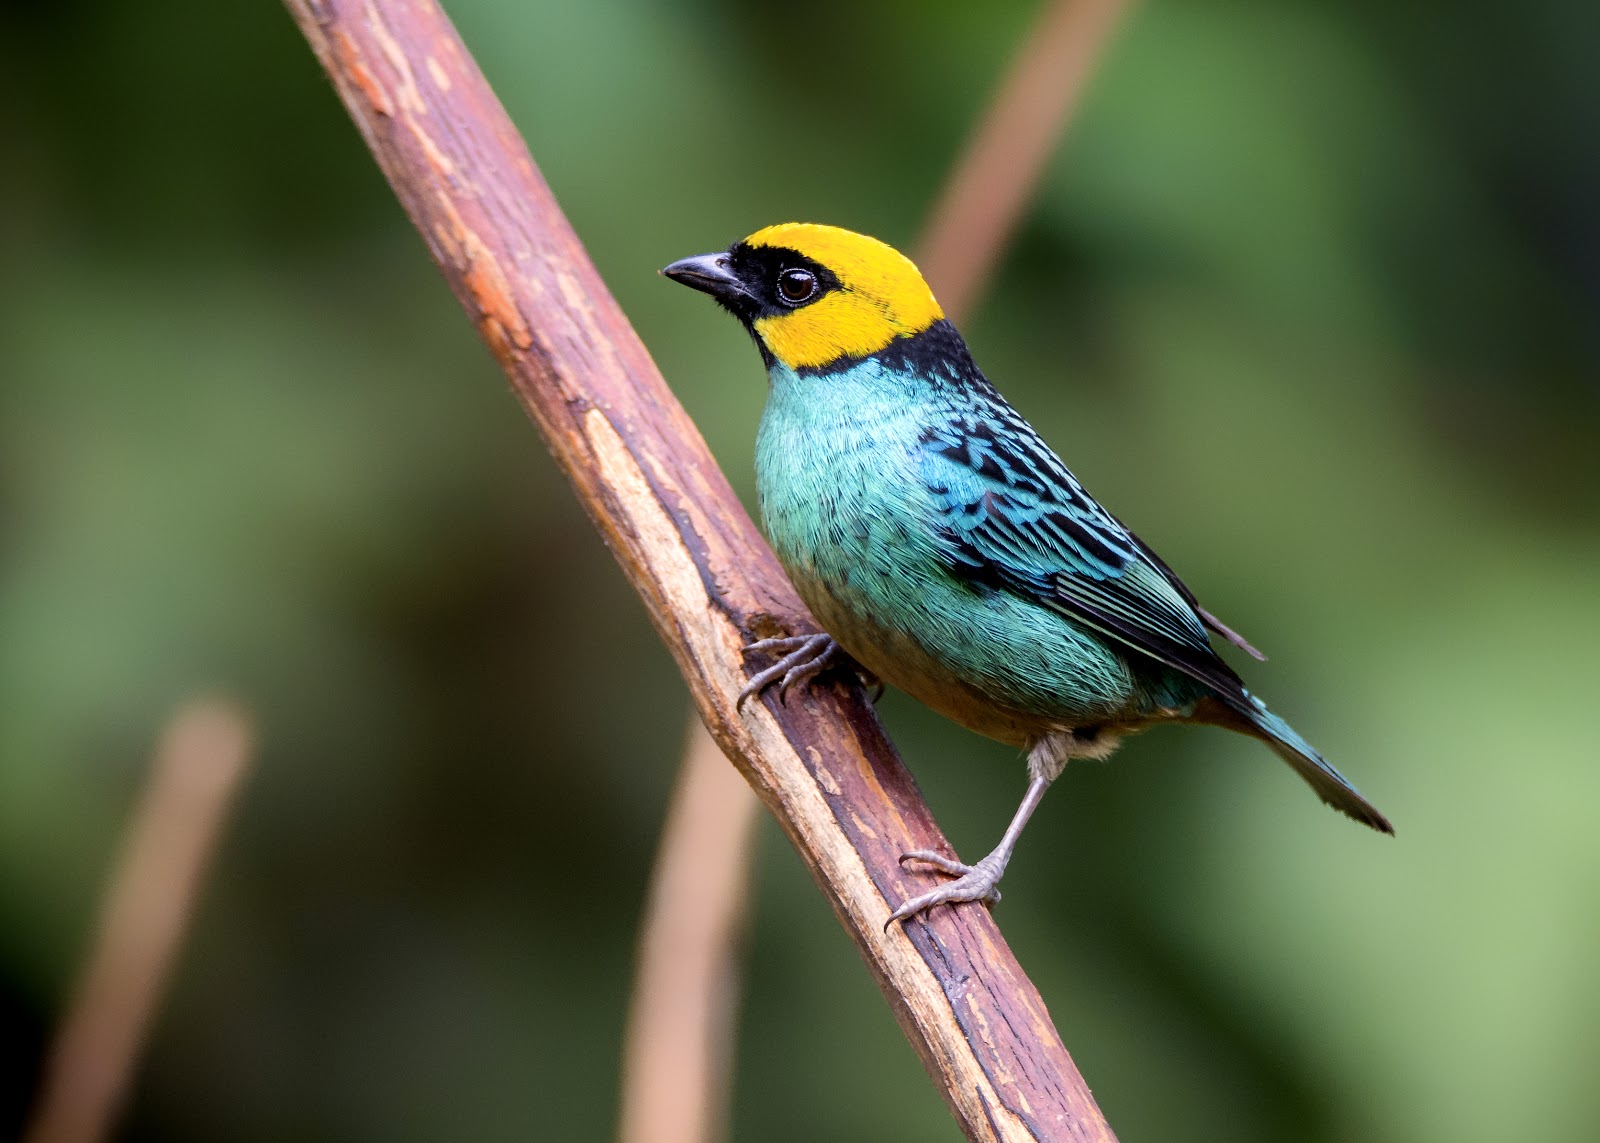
{"x":710,"y":274}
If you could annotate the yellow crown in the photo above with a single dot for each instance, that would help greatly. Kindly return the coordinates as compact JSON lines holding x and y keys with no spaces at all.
{"x":881,"y":297}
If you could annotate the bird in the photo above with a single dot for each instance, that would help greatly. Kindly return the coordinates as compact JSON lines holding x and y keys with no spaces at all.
{"x":945,"y":548}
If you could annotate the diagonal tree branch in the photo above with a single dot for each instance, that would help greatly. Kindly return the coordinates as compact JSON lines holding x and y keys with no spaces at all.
{"x":676,"y":1052}
{"x":639,"y":466}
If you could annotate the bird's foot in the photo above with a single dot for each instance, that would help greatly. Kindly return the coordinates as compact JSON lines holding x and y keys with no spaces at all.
{"x":980,"y":882}
{"x":803,"y":657}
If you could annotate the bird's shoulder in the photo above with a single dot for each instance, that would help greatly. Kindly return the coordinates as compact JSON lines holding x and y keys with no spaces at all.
{"x":1013,"y":517}
{"x":996,"y":478}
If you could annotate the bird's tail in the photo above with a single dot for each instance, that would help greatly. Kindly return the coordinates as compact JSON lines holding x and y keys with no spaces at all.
{"x":1331,"y":786}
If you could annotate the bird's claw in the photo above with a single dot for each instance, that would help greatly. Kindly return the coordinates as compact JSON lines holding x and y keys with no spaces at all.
{"x":803,"y":658}
{"x":938,"y":860}
{"x":980,"y":882}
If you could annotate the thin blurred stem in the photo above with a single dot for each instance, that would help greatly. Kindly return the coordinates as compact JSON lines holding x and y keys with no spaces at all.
{"x":203,"y":755}
{"x":994,"y":180}
{"x":675,"y":1060}
{"x":684,"y":1006}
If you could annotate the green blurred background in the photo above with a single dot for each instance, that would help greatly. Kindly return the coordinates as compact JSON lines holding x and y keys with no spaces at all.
{"x":1309,"y":296}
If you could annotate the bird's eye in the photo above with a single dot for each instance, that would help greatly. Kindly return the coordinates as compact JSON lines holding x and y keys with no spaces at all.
{"x":796,"y":286}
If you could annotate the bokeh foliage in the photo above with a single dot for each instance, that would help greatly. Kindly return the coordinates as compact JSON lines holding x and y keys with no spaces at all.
{"x":1309,"y":297}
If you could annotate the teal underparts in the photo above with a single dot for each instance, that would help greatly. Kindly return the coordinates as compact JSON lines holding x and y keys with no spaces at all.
{"x":843,"y":466}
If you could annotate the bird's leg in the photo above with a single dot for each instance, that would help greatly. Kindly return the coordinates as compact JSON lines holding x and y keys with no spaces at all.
{"x":981,"y":882}
{"x":803,"y":657}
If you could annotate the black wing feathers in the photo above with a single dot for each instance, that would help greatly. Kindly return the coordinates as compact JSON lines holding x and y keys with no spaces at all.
{"x":1014,"y":517}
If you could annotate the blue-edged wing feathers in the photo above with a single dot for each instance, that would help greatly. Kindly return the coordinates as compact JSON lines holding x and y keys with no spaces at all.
{"x":1182,"y":589}
{"x":1015,"y":518}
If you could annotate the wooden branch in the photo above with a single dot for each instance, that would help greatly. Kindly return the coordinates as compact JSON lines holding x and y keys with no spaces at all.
{"x":683,"y":1010}
{"x":985,"y":198}
{"x":203,"y":756}
{"x":640,"y":468}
